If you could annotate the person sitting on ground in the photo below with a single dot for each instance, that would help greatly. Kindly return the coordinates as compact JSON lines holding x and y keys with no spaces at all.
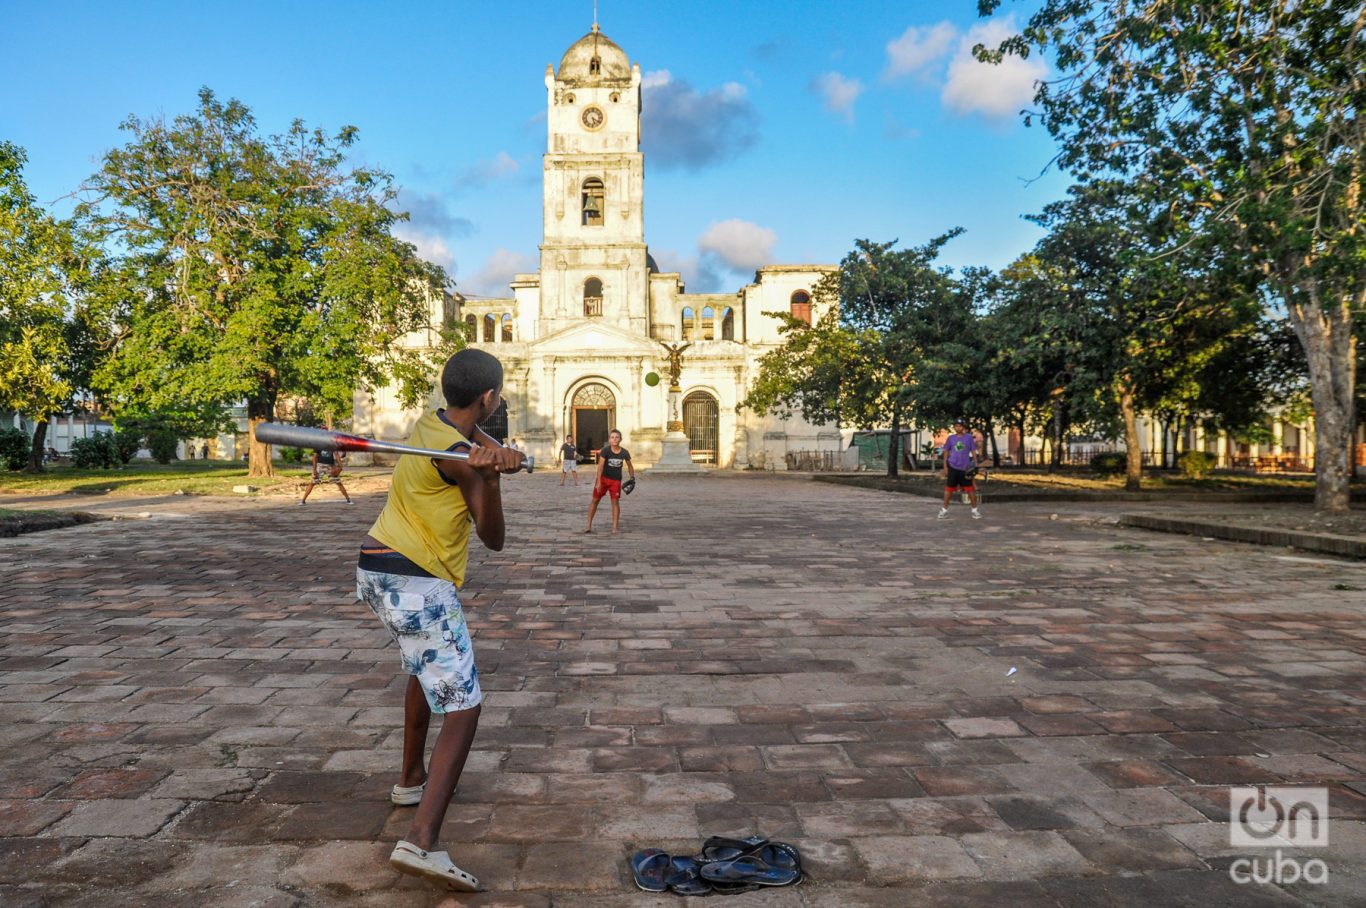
{"x":327,"y":467}
{"x":610,"y":461}
{"x":960,"y":457}
{"x":410,"y":570}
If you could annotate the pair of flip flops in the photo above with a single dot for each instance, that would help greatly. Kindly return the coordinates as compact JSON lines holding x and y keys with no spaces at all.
{"x":724,"y":866}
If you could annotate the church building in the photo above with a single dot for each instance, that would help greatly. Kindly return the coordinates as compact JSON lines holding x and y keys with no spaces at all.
{"x":580,"y":338}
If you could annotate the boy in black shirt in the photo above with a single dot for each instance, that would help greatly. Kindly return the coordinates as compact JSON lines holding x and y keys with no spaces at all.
{"x":610,"y":461}
{"x":327,"y":467}
{"x":569,"y":460}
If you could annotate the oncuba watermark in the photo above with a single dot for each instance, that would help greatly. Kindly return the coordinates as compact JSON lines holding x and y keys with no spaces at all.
{"x":1278,"y":818}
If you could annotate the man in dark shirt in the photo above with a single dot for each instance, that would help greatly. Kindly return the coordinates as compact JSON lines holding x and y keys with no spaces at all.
{"x":327,"y":467}
{"x":611,"y":459}
{"x":569,"y":460}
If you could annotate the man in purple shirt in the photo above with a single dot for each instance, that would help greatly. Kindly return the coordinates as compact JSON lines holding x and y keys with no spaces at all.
{"x":960,"y":459}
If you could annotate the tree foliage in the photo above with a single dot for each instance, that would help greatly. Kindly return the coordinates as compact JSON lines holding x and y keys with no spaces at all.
{"x":886,"y":314}
{"x":1241,"y":119}
{"x":39,"y":266}
{"x":251,"y":267}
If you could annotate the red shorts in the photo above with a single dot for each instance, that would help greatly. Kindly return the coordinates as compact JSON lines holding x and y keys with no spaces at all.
{"x":607,"y":487}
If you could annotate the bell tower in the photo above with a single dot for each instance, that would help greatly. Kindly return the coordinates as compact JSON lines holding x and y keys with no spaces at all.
{"x":593,"y":260}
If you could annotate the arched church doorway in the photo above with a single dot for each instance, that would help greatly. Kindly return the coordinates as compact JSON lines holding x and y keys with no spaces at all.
{"x":593,"y":415}
{"x":702,"y":423}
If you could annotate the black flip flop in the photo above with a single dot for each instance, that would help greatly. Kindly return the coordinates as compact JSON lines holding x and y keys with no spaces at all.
{"x":685,"y":876}
{"x":650,"y":870}
{"x":749,"y":869}
{"x":775,"y":854}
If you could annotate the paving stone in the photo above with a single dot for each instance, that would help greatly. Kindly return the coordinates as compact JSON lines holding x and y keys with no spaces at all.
{"x":1024,"y":855}
{"x":560,"y":866}
{"x":114,"y":863}
{"x":1131,"y":849}
{"x":526,"y":824}
{"x":117,"y":817}
{"x":29,"y":817}
{"x":248,"y":824}
{"x":984,"y":728}
{"x":343,"y":867}
{"x":100,"y":784}
{"x":19,"y":857}
{"x":899,"y":859}
{"x":1139,"y":807}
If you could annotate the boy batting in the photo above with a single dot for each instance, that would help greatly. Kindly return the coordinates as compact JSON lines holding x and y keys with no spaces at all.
{"x":411,"y":567}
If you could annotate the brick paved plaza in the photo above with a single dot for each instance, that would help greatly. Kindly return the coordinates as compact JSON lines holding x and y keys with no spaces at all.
{"x":197,"y":712}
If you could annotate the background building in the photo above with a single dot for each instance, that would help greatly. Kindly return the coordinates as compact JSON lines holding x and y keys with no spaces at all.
{"x":578,"y":337}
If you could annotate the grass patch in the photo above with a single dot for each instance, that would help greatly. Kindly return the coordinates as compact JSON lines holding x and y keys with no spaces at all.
{"x":143,"y":478}
{"x":23,"y":513}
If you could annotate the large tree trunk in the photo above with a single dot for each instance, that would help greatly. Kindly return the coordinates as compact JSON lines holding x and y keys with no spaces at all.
{"x":1133,"y":460}
{"x":36,"y":451}
{"x":259,"y":410}
{"x":894,"y":449}
{"x":1330,"y":348}
{"x":991,"y":439}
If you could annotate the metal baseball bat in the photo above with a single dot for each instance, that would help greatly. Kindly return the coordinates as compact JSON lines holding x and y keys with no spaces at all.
{"x":273,"y":433}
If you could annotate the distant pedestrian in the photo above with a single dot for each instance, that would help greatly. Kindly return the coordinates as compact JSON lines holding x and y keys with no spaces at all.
{"x":189,"y":453}
{"x":569,"y":460}
{"x":204,"y":452}
{"x":960,"y":465}
{"x":327,"y":467}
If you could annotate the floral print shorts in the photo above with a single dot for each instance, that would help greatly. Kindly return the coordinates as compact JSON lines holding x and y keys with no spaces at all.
{"x":425,"y":618}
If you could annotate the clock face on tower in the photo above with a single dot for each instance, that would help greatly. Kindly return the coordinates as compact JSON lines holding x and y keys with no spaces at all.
{"x":593,"y":118}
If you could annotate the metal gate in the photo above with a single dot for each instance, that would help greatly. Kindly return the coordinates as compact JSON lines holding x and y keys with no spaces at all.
{"x":497,"y":423}
{"x":702,"y":422}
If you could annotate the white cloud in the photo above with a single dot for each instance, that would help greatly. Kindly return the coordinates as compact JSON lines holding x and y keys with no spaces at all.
{"x":430,"y":212}
{"x":430,"y":246}
{"x":839,"y":93}
{"x":690,"y":129}
{"x":483,"y":173}
{"x":917,"y":48}
{"x":493,"y":276}
{"x":996,"y":91}
{"x":739,"y":245}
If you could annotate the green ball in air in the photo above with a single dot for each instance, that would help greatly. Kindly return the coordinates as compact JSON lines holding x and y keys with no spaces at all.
{"x":652,"y":379}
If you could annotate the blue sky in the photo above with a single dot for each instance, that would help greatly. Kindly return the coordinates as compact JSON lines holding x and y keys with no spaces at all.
{"x":774,"y":132}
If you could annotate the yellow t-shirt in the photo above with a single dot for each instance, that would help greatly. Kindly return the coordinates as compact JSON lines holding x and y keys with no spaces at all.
{"x":426,"y":518}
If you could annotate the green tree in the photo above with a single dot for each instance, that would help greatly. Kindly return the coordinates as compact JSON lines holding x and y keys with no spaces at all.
{"x":1243,"y":119}
{"x":39,"y":266}
{"x":252,"y":268}
{"x":887,"y":312}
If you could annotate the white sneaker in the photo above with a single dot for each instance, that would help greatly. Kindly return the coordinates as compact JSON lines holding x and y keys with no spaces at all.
{"x":407,"y":797}
{"x":434,"y":866}
{"x":976,"y":514}
{"x":943,"y":512}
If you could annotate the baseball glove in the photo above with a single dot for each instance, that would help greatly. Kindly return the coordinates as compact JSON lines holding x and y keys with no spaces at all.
{"x":628,"y":487}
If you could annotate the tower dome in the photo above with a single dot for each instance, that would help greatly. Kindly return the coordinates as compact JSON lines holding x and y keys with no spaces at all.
{"x":594,"y":58}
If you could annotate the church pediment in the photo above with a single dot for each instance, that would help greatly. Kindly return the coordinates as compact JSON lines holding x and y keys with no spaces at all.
{"x":592,"y":339}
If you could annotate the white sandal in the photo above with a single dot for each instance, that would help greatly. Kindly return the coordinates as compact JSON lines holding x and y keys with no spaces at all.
{"x":407,"y":797}
{"x":435,"y":866}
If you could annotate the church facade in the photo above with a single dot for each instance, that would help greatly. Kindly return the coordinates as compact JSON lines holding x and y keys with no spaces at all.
{"x":580,"y":338}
